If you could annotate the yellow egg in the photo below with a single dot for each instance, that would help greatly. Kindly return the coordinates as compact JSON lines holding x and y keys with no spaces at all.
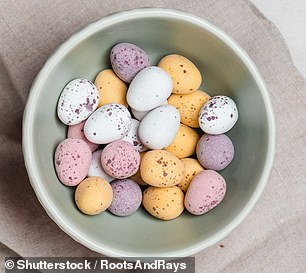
{"x":164,"y":203}
{"x":137,"y":177}
{"x":185,"y":142}
{"x":192,"y":167}
{"x":185,"y":75}
{"x":160,"y":168}
{"x":189,"y":106}
{"x":111,"y":88}
{"x":93,"y":195}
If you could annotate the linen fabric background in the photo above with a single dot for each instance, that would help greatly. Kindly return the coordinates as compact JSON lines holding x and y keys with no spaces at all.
{"x":271,"y":239}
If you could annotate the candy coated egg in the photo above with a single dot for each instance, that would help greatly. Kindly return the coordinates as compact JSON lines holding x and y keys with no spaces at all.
{"x":127,"y":197}
{"x":77,"y":101}
{"x":159,"y":127}
{"x":119,"y":159}
{"x":149,"y":89}
{"x":163,"y":203}
{"x":206,"y":191}
{"x":111,"y":88}
{"x":127,"y":60}
{"x":108,"y":123}
{"x":137,"y":177}
{"x":133,"y":138}
{"x":218,"y":115}
{"x":72,"y":160}
{"x":139,"y":115}
{"x":93,"y":195}
{"x":185,"y":75}
{"x":95,"y":168}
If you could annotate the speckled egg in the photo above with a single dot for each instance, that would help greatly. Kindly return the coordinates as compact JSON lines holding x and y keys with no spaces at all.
{"x":163,"y":203}
{"x":149,"y":89}
{"x":189,"y":106}
{"x":77,"y":131}
{"x":218,"y":115}
{"x":160,"y":168}
{"x":127,"y":197}
{"x":78,"y":100}
{"x":119,"y":159}
{"x":111,"y":88}
{"x":108,"y":123}
{"x":133,"y":138}
{"x":215,"y":152}
{"x":137,"y":177}
{"x":184,"y":143}
{"x":72,"y":160}
{"x":139,"y":115}
{"x":185,"y":75}
{"x":159,"y":127}
{"x":206,"y":191}
{"x":127,"y":60}
{"x":95,"y":168}
{"x":93,"y":195}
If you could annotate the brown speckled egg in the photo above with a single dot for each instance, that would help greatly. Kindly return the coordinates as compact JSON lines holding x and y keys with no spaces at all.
{"x":93,"y":195}
{"x":185,"y":75}
{"x":185,"y":142}
{"x":137,"y":177}
{"x":192,"y":167}
{"x":164,"y":203}
{"x":160,"y":168}
{"x":189,"y":106}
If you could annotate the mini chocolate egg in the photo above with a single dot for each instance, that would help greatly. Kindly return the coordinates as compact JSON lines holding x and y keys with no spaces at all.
{"x":127,"y":60}
{"x":78,"y":100}
{"x":127,"y":197}
{"x":111,"y":88}
{"x":218,"y":115}
{"x":93,"y":195}
{"x":163,"y":203}
{"x":149,"y":89}
{"x":185,"y":142}
{"x":133,"y":138}
{"x":159,"y":127}
{"x":108,"y":123}
{"x":95,"y":168}
{"x":77,"y":131}
{"x":72,"y":160}
{"x":119,"y":159}
{"x":137,"y":177}
{"x":139,"y":115}
{"x":206,"y":191}
{"x":192,"y":167}
{"x":215,"y":152}
{"x":160,"y":168}
{"x":185,"y":75}
{"x":189,"y":106}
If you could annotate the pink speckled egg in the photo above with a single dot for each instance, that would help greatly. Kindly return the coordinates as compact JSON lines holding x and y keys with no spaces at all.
{"x":72,"y":160}
{"x":119,"y":159}
{"x":77,"y":131}
{"x":206,"y":191}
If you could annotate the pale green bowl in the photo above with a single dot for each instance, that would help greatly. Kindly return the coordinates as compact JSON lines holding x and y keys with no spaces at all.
{"x":226,"y":69}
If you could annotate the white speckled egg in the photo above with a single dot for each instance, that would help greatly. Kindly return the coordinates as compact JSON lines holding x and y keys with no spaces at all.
{"x":149,"y":89}
{"x":96,"y":169}
{"x":141,"y":114}
{"x":108,"y":123}
{"x":158,"y":128}
{"x":218,"y":115}
{"x":133,"y":138}
{"x":78,"y":100}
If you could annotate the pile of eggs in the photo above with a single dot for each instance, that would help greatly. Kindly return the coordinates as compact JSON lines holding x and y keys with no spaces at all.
{"x":132,"y":138}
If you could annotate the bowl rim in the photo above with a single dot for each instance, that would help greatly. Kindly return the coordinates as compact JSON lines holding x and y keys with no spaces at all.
{"x":28,"y":117}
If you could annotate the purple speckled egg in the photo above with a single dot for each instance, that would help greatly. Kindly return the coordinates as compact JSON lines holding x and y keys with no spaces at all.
{"x":72,"y":160}
{"x":206,"y":191}
{"x":127,"y":60}
{"x":119,"y":159}
{"x":215,"y":152}
{"x":127,"y":197}
{"x":77,"y":131}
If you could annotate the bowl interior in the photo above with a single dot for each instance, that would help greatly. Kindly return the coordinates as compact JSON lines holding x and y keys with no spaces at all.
{"x":223,"y":72}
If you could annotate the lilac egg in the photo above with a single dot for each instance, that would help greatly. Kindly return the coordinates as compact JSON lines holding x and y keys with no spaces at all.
{"x":127,"y":60}
{"x":215,"y":152}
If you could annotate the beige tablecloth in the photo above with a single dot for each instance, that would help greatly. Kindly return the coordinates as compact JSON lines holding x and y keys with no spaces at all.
{"x":271,"y":239}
